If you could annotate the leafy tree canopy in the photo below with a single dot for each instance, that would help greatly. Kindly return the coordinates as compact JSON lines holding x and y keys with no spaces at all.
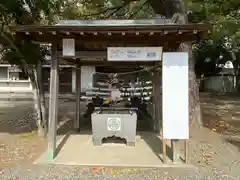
{"x":225,"y":38}
{"x":225,"y":15}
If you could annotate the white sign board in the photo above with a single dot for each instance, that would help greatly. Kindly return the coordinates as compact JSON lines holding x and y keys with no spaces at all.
{"x":134,"y":53}
{"x":68,"y":47}
{"x":175,"y":102}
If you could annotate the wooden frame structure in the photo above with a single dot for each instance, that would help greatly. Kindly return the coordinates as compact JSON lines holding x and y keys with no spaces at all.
{"x":97,"y":36}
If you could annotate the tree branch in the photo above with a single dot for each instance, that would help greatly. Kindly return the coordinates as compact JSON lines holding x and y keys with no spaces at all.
{"x":115,"y":11}
{"x":13,"y":46}
{"x":103,"y":12}
{"x":136,"y":12}
{"x":158,"y":6}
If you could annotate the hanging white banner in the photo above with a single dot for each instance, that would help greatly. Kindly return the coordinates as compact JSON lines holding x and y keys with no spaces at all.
{"x":68,"y":47}
{"x":134,"y":53}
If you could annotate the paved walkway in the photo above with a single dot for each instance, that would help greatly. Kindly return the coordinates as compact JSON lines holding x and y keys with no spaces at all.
{"x":78,"y":149}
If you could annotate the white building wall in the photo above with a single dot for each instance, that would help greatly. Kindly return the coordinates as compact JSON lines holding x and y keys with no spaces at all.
{"x":15,"y":86}
{"x":219,"y":83}
{"x":8,"y":85}
{"x":12,"y":85}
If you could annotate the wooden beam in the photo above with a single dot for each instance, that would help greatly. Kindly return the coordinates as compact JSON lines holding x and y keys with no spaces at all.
{"x":143,"y":27}
{"x":53,"y":105}
{"x":106,"y":63}
{"x":87,"y":54}
{"x":78,"y":93}
{"x":120,"y":39}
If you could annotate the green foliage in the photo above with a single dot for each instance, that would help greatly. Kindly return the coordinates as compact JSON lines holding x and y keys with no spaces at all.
{"x":49,"y":12}
{"x":22,"y":52}
{"x":225,"y":37}
{"x":224,"y":15}
{"x":209,"y":55}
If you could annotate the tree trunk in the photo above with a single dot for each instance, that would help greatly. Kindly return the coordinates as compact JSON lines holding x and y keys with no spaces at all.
{"x":236,"y":62}
{"x":44,"y":121}
{"x":194,"y":101}
{"x":39,"y":100}
{"x":178,"y":8}
{"x":237,"y":78}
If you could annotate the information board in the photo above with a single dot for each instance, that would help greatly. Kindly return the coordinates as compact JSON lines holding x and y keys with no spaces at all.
{"x":134,"y":53}
{"x":175,"y":100}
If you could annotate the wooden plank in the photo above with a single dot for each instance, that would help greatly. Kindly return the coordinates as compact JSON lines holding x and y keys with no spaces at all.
{"x":186,"y":151}
{"x":130,"y":40}
{"x":156,"y":100}
{"x":73,"y":80}
{"x":103,"y":62}
{"x":78,"y":96}
{"x":53,"y":105}
{"x":159,"y":102}
{"x":117,"y":27}
{"x":164,"y":147}
{"x":175,"y":150}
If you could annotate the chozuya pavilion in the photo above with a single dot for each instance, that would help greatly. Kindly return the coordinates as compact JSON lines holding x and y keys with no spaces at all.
{"x":122,"y":43}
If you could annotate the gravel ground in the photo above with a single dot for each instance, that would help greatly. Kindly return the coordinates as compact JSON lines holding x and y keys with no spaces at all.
{"x":71,"y":173}
{"x":215,"y":158}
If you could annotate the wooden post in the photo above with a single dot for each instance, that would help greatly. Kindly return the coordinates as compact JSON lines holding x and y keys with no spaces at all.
{"x":159,"y":102}
{"x":73,"y":80}
{"x":53,"y":105}
{"x":156,"y":101}
{"x":78,"y":96}
{"x":164,"y":151}
{"x":175,"y":149}
{"x":186,"y":151}
{"x":153,"y":102}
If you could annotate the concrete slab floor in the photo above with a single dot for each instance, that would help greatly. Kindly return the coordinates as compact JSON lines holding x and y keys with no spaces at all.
{"x":77,"y":149}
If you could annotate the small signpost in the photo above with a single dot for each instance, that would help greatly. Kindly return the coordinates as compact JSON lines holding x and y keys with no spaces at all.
{"x":175,"y":101}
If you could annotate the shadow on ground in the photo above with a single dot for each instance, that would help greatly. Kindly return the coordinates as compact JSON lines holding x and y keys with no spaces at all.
{"x":17,"y":117}
{"x":155,"y":143}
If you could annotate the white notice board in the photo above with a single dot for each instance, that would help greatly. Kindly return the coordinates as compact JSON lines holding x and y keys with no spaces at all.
{"x":134,"y":53}
{"x":68,"y":47}
{"x":175,"y":102}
